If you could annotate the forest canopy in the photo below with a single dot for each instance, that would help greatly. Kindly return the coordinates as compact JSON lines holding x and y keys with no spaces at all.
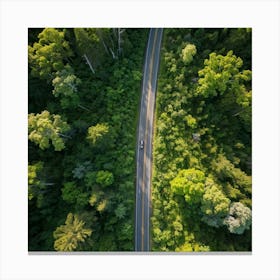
{"x":202,"y":185}
{"x":84,"y":90}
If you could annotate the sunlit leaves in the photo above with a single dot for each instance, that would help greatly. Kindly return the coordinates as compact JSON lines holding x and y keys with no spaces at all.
{"x":222,"y":74}
{"x":102,"y":206}
{"x":191,"y":245}
{"x":49,"y":54}
{"x":188,"y":53}
{"x":104,"y":178}
{"x":69,"y":236}
{"x":93,"y":199}
{"x":212,"y":102}
{"x":191,"y":121}
{"x":190,"y":183}
{"x":33,"y":179}
{"x":66,"y":87}
{"x":215,"y":205}
{"x":45,"y":128}
{"x":97,"y":132}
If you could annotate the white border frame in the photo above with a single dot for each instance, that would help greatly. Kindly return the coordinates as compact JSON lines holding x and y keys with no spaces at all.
{"x":17,"y":16}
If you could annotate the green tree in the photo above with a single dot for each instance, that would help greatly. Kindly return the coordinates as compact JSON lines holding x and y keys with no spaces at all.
{"x":90,"y":179}
{"x":227,"y":172}
{"x":70,"y":192}
{"x":86,"y":40}
{"x":239,"y":218}
{"x":239,"y":40}
{"x":222,"y":74}
{"x":126,"y":234}
{"x":96,"y":45}
{"x":215,"y":205}
{"x":89,"y":46}
{"x":191,"y":245}
{"x":68,"y":237}
{"x":74,"y":195}
{"x":81,"y":169}
{"x":49,"y":54}
{"x":102,"y":205}
{"x":93,"y":199}
{"x":188,"y":52}
{"x":191,"y":121}
{"x":202,"y":111}
{"x":120,"y":211}
{"x":33,"y":179}
{"x":44,"y":127}
{"x":104,"y":178}
{"x":190,"y":183}
{"x":66,"y":87}
{"x":97,"y":132}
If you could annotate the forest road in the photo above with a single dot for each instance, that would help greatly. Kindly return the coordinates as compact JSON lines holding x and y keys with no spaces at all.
{"x":145,"y":138}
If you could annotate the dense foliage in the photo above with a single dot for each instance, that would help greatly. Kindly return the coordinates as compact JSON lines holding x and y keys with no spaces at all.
{"x":84,"y":88}
{"x":84,"y":92}
{"x":201,"y":186}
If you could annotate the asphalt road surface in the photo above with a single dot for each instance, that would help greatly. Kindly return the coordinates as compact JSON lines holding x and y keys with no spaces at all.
{"x":145,"y":134}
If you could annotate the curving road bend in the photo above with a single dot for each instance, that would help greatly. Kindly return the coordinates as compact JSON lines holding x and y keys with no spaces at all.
{"x":145,"y":134}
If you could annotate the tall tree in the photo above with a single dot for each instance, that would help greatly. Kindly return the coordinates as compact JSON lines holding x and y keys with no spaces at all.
{"x":97,"y":132}
{"x":73,"y":194}
{"x":87,"y":43}
{"x":239,"y":218}
{"x":221,"y":75}
{"x":66,"y":87}
{"x":104,"y":178}
{"x":68,"y":237}
{"x":227,"y":172}
{"x":188,"y":53}
{"x":215,"y":205}
{"x":49,"y":54}
{"x":44,"y":127}
{"x":190,"y":183}
{"x":33,"y":179}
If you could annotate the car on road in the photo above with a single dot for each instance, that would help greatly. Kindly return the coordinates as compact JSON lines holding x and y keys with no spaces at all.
{"x":141,"y":144}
